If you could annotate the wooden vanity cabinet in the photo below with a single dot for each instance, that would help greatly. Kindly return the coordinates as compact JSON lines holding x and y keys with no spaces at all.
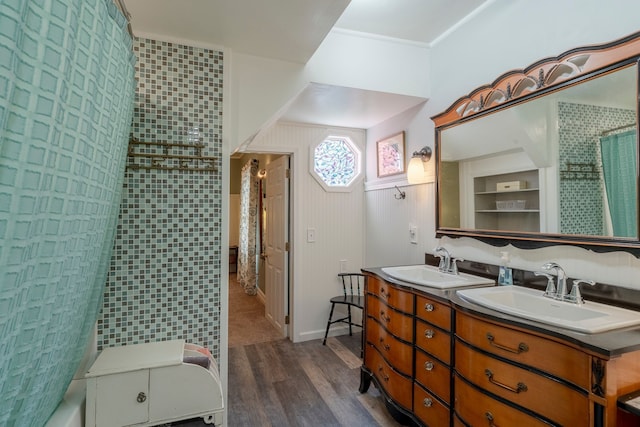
{"x":545,"y":380}
{"x":539,"y":352}
{"x":408,"y":352}
{"x":442,"y":365}
{"x":433,"y":358}
{"x":389,"y":335}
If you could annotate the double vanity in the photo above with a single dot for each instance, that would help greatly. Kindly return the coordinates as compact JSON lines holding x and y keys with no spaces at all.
{"x":526,"y":161}
{"x":449,"y":348}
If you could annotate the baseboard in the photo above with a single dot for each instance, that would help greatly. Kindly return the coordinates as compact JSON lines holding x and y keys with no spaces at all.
{"x":318,"y":335}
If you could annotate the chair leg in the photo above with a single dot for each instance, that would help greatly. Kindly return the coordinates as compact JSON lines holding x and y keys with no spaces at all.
{"x":324,"y":342}
{"x":349,"y":314}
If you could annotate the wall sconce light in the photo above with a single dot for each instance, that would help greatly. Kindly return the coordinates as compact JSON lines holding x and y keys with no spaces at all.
{"x":262,"y":173}
{"x":416,"y":169}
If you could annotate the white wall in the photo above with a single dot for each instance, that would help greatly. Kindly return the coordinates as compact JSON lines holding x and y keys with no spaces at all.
{"x":389,"y":219}
{"x":508,"y":34}
{"x":262,"y":88}
{"x":363,"y":61}
{"x":337,"y":217}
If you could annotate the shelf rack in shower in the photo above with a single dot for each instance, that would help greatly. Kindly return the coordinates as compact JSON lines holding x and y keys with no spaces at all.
{"x":165,"y":160}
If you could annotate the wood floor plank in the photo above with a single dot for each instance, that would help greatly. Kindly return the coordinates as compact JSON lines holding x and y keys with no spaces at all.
{"x":268,"y":360}
{"x":373,"y":403}
{"x":347,"y":356}
{"x":263,"y":358}
{"x":345,"y":407}
{"x":244,"y":391}
{"x":303,"y":404}
{"x":353,"y":343}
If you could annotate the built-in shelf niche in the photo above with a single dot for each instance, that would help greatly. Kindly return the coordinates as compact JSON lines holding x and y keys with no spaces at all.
{"x":511,"y":209}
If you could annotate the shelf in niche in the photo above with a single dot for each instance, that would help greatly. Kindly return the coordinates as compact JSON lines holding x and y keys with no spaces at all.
{"x":524,"y":190}
{"x":508,"y":211}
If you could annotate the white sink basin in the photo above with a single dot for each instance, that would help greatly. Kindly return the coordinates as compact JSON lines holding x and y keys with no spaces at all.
{"x":426,"y":275}
{"x":591,"y":317}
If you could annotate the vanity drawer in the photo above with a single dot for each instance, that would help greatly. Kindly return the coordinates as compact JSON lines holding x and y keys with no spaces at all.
{"x":523,"y":387}
{"x":547,"y":355}
{"x":433,"y":312}
{"x":434,"y":341}
{"x":394,"y":297}
{"x":433,"y":375}
{"x":477,"y":409}
{"x":399,"y":354}
{"x":396,"y":385}
{"x":429,"y":409}
{"x":393,"y":321}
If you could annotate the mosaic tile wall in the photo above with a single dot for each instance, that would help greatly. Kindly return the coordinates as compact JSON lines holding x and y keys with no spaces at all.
{"x":581,"y":200}
{"x":164,"y":280}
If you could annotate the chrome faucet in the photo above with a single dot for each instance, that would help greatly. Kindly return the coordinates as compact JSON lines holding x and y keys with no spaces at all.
{"x":561,"y":284}
{"x":447,"y":264}
{"x":445,"y":259}
{"x":559,"y":290}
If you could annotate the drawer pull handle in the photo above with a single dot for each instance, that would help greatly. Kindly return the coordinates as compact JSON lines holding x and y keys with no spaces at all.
{"x":385,"y":346}
{"x":141,"y":397}
{"x":382,"y":374}
{"x":427,"y":402}
{"x":519,"y":388}
{"x":384,"y":317}
{"x":384,"y":294}
{"x":522,"y":347}
{"x":429,"y":333}
{"x":429,"y":307}
{"x":489,"y":416}
{"x":428,"y":366}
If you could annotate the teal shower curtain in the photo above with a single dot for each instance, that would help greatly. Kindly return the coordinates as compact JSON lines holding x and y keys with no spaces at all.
{"x":66,"y":99}
{"x":619,"y":160}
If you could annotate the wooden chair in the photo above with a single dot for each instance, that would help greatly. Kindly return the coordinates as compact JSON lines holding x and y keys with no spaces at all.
{"x":352,"y":296}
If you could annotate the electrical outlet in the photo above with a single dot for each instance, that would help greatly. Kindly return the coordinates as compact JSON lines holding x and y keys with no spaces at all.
{"x":343,"y":266}
{"x":311,"y":235}
{"x":413,"y":234}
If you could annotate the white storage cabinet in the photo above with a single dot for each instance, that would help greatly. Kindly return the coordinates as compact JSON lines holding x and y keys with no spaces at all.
{"x":149,"y":384}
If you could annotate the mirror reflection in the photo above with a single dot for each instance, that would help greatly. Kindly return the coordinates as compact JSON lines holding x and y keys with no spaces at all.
{"x":563,"y":163}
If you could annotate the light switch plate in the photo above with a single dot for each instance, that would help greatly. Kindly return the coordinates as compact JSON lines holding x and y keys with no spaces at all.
{"x":311,"y":235}
{"x":413,"y":234}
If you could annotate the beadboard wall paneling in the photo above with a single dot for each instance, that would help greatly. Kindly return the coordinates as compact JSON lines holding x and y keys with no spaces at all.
{"x":388,"y":221}
{"x":337,"y":217}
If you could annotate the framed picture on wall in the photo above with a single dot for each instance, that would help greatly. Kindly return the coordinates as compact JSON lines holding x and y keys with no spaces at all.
{"x":390,"y":152}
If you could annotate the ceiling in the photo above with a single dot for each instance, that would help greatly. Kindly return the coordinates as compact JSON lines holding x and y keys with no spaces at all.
{"x":291,"y":30}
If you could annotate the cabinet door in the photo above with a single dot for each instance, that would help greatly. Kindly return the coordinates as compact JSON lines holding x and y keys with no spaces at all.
{"x":122,"y":399}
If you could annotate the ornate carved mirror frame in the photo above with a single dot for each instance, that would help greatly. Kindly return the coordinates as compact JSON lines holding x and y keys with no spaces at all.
{"x":518,"y":86}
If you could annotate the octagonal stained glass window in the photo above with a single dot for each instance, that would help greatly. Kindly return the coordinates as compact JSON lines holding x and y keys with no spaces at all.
{"x":336,"y":162}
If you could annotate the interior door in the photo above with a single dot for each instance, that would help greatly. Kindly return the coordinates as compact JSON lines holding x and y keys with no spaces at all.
{"x":276,"y":237}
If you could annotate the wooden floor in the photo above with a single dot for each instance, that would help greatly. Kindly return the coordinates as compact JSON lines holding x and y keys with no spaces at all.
{"x":275,"y":382}
{"x":306,"y":384}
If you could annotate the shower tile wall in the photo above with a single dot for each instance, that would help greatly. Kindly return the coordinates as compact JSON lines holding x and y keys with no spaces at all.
{"x":581,"y":200}
{"x":164,"y":280}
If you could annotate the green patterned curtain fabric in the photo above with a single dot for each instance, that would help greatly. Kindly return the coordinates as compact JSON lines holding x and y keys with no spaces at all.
{"x":66,"y":92}
{"x":619,"y":170}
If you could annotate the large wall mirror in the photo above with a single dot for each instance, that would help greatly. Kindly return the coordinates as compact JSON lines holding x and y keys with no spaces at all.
{"x":546,"y":155}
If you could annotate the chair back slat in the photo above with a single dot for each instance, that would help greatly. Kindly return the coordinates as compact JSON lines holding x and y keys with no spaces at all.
{"x":352,"y":283}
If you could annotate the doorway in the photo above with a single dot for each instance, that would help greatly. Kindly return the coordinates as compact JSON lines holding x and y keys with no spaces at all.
{"x":263,"y":316}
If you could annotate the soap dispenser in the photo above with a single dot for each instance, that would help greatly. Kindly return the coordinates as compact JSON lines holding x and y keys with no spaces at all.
{"x":505,"y":275}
